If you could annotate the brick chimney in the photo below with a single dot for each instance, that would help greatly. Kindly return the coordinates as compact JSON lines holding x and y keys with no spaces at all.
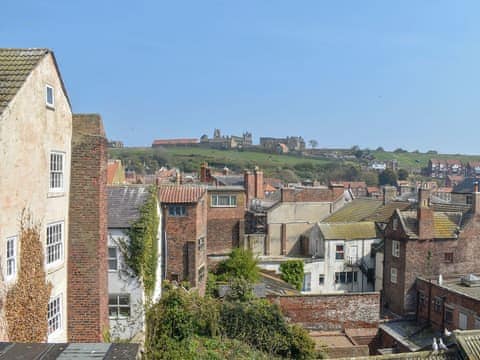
{"x":249,"y":185}
{"x":87,"y":296}
{"x":203,"y":172}
{"x":476,"y":199}
{"x":259,"y":193}
{"x":425,"y":215}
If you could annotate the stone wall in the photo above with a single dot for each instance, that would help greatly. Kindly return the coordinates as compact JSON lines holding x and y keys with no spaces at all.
{"x":87,"y":265}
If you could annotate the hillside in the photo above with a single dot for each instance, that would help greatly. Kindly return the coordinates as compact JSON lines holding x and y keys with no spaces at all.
{"x":287,"y":167}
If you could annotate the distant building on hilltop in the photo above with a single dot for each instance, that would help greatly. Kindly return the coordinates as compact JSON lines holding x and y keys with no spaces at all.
{"x":293,"y":143}
{"x":227,"y":142}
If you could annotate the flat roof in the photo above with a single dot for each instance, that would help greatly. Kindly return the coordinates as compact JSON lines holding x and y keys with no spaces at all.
{"x":455,"y":285}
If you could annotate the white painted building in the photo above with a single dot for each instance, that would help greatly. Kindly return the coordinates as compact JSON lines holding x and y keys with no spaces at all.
{"x":127,"y":297}
{"x":340,"y":258}
{"x":35,"y":153}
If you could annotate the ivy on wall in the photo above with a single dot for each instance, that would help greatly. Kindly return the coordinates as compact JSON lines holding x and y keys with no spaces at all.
{"x":140,"y":253}
{"x":27,"y":300}
{"x":292,"y":273}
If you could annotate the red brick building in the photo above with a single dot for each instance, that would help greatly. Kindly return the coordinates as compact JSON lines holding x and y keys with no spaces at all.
{"x":225,"y":219}
{"x":184,"y":213}
{"x":452,"y":302}
{"x":428,"y":242}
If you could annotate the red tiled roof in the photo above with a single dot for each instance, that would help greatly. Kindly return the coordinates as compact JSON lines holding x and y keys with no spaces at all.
{"x":174,"y":141}
{"x":353,"y":184}
{"x":112,"y":168}
{"x":178,"y":194}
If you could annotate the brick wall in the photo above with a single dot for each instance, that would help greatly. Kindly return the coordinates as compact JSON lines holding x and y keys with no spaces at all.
{"x":87,"y":299}
{"x":226,"y":225}
{"x":427,"y":257}
{"x":454,"y":300}
{"x":331,"y":311}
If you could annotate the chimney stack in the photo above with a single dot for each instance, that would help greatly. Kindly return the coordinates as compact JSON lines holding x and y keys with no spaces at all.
{"x":259,"y":193}
{"x":248,"y":180}
{"x":476,"y":199}
{"x":425,"y":215}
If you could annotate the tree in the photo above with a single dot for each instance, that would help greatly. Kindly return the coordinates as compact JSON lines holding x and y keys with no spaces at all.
{"x":313,"y":143}
{"x":402,"y":174}
{"x":379,"y":149}
{"x":387,"y":177}
{"x":241,"y":264}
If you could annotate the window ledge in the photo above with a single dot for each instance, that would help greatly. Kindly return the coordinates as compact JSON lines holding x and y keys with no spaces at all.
{"x":50,"y":107}
{"x":55,"y":194}
{"x":54,"y":267}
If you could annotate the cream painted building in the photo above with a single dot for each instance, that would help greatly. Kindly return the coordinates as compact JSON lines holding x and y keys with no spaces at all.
{"x":35,"y":152}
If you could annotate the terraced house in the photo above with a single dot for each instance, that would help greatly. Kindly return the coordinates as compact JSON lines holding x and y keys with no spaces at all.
{"x":37,"y":134}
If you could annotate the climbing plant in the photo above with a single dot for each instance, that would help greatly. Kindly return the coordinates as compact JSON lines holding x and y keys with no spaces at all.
{"x":26,"y":302}
{"x":140,"y":252}
{"x":292,"y":273}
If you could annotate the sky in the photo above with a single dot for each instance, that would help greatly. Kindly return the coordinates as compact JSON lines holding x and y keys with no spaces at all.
{"x":369,"y":73}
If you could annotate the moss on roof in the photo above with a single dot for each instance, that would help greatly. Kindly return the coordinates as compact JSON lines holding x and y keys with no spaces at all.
{"x":357,"y":210}
{"x":349,"y":231}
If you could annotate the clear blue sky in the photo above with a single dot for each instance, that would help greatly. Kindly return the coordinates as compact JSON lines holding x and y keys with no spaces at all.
{"x":373,"y":73}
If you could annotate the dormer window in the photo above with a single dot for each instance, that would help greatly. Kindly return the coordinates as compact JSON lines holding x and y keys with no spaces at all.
{"x":49,"y":96}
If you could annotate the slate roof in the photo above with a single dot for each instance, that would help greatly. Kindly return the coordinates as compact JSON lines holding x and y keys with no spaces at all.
{"x":348,"y":231}
{"x":180,"y":194}
{"x":446,"y":224}
{"x":124,"y":203}
{"x":229,"y":180}
{"x":49,"y":351}
{"x":15,"y":66}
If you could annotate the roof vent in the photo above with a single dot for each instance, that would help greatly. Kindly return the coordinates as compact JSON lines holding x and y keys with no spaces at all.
{"x":470,"y":280}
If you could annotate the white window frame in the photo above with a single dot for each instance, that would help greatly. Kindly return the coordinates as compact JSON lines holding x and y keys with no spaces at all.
{"x":52,"y":103}
{"x":232,"y":200}
{"x":53,"y":246}
{"x":118,"y":306}
{"x":54,"y":315}
{"x":56,"y":175}
{"x":307,"y":282}
{"x":393,"y":275}
{"x":116,"y":258}
{"x":11,"y":259}
{"x":396,"y":248}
